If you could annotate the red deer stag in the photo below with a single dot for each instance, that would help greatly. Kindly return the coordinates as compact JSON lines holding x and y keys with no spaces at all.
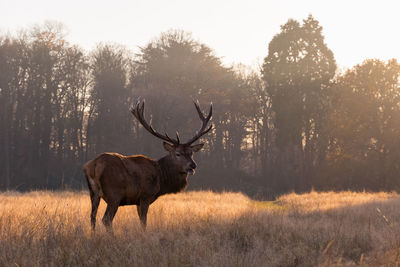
{"x":138,"y":180}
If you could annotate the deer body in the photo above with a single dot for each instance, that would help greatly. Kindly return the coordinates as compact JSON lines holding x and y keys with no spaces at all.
{"x":138,"y":180}
{"x":133,"y":180}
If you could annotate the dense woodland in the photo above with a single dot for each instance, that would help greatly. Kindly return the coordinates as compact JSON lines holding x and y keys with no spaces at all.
{"x":294,"y":124}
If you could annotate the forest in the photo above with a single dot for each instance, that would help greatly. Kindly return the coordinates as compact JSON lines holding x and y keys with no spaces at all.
{"x":294,"y":124}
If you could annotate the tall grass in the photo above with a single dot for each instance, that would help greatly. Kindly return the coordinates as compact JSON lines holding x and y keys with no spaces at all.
{"x":203,"y":229}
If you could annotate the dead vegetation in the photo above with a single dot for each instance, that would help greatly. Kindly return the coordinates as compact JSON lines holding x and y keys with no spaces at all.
{"x":204,"y":229}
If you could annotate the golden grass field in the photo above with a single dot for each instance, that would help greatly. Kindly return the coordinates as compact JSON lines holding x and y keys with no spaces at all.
{"x":203,"y":229}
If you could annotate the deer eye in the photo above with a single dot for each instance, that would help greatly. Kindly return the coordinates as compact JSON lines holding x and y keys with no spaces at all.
{"x":177,"y":154}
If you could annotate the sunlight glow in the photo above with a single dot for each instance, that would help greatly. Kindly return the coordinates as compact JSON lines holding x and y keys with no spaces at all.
{"x":238,"y":31}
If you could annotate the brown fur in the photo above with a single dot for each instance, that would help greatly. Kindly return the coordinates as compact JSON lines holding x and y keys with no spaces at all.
{"x":137,"y":180}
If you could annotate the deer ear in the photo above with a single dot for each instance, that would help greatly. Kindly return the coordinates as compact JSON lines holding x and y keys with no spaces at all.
{"x":168,"y":146}
{"x":197,"y":147}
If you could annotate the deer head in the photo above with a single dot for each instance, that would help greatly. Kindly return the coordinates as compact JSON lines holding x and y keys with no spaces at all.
{"x":181,"y":154}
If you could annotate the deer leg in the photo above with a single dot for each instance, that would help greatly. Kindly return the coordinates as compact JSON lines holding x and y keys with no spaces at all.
{"x":142,"y":212}
{"x":138,"y":210}
{"x":109,"y":215}
{"x":95,"y":204}
{"x":95,"y":199}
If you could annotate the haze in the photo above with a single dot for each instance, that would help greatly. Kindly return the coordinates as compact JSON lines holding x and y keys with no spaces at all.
{"x":238,"y":31}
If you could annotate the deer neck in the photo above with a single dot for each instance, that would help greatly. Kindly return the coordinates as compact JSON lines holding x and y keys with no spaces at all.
{"x":171,"y":178}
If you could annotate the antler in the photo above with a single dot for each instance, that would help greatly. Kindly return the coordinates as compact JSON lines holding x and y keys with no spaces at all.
{"x":138,"y":111}
{"x":205,"y":121}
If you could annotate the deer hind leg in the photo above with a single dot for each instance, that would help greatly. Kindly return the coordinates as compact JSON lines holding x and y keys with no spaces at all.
{"x":95,"y":204}
{"x":108,"y":217}
{"x":95,"y":199}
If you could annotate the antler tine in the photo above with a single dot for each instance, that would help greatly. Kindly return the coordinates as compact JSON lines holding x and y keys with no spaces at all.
{"x":132,"y":109}
{"x":199,"y":112}
{"x":203,"y":130}
{"x":138,"y":111}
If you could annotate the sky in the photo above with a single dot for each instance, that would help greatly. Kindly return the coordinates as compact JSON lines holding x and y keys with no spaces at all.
{"x":238,"y":31}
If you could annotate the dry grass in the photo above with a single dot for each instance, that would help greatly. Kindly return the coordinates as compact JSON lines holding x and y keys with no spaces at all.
{"x":204,"y":229}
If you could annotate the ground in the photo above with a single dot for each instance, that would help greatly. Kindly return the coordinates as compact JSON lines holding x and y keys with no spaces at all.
{"x":203,"y":229}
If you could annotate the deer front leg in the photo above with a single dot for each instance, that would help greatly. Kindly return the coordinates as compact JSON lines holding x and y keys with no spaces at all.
{"x":142,"y":209}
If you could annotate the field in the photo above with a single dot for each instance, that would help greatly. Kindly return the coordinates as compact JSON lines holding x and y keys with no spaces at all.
{"x":203,"y":229}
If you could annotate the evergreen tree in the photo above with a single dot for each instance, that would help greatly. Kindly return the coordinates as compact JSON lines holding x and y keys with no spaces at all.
{"x":297,"y":73}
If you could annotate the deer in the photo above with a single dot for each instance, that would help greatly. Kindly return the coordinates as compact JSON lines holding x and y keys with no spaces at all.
{"x":137,"y":179}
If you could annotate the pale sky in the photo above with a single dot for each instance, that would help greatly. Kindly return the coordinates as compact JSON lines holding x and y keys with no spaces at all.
{"x":238,"y":31}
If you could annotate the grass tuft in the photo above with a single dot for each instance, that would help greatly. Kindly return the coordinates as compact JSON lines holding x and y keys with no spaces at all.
{"x":203,"y":229}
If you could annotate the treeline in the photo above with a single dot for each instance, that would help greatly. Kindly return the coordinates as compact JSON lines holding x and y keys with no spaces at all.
{"x":295,"y":124}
